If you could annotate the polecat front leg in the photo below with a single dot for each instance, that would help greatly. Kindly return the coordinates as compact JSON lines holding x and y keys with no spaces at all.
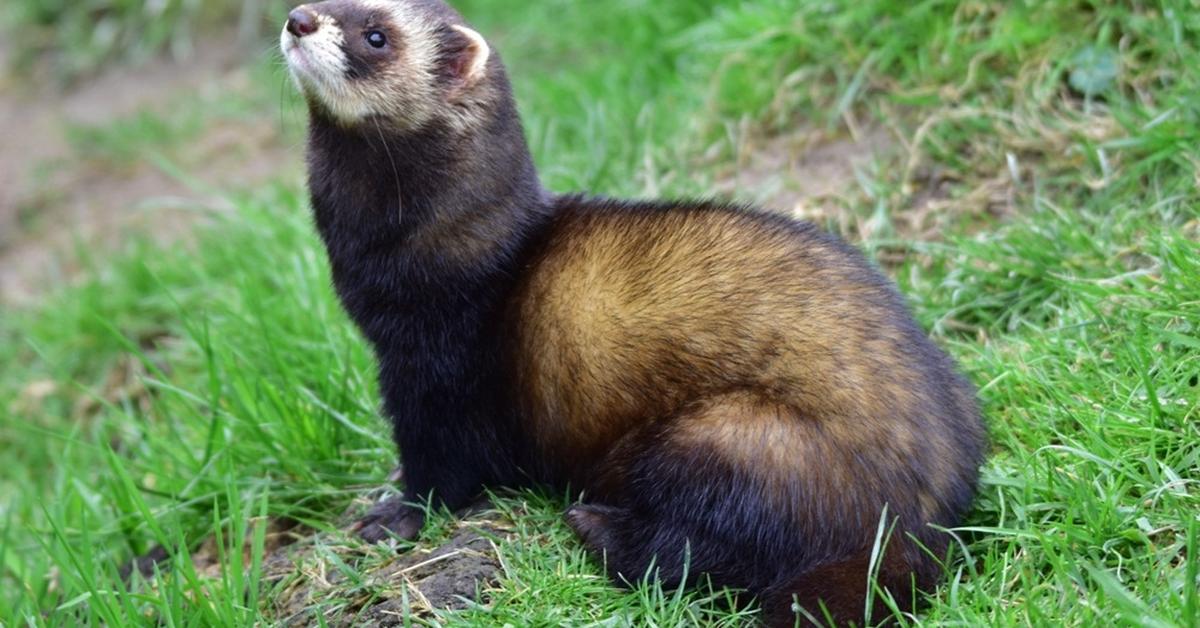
{"x":391,"y":518}
{"x":452,"y":445}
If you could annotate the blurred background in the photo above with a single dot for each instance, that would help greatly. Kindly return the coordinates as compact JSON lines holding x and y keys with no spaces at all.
{"x":175,"y":371}
{"x":116,"y":114}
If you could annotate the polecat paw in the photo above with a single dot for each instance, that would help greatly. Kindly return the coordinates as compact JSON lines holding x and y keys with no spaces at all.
{"x":390,"y":518}
{"x":594,"y":525}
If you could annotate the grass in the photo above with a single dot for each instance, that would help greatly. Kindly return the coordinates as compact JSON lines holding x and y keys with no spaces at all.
{"x":1045,"y":226}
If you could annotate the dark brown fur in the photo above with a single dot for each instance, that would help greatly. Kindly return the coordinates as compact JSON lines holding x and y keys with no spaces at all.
{"x":738,"y":396}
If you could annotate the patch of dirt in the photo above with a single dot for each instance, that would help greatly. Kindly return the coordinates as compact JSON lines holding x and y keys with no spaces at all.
{"x":333,"y":579}
{"x":51,"y":200}
{"x":807,"y":173}
{"x":279,"y":534}
{"x":315,"y":588}
{"x":812,"y":175}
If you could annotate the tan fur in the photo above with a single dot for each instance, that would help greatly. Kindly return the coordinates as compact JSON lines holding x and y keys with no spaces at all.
{"x":756,"y":335}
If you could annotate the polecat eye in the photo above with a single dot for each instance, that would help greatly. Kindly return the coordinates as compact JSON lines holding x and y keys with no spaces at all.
{"x":376,"y":39}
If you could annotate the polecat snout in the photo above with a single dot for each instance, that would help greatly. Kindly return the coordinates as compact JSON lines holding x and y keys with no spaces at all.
{"x":726,"y":387}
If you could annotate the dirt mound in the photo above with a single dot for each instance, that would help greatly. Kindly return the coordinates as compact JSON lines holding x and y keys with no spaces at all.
{"x":314,"y":590}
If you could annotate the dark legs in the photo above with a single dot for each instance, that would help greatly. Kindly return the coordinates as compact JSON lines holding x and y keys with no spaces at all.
{"x":393,"y":517}
{"x":403,"y":516}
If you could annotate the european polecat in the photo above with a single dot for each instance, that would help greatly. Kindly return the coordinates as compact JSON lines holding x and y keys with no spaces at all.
{"x":725,"y":388}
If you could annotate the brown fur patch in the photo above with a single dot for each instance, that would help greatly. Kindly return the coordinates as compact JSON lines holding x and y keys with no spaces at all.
{"x":630,"y":315}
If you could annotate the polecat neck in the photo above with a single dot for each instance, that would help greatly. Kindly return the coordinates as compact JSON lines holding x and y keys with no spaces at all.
{"x":412,"y":219}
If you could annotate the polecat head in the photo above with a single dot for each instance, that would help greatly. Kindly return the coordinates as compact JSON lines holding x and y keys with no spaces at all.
{"x":399,"y":62}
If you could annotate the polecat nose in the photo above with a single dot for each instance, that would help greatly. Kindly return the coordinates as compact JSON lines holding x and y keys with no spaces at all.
{"x":301,"y":22}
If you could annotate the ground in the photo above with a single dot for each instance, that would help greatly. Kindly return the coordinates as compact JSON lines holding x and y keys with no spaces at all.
{"x":59,"y":188}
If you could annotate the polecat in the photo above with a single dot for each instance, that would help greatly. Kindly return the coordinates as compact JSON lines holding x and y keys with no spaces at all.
{"x":735,"y":394}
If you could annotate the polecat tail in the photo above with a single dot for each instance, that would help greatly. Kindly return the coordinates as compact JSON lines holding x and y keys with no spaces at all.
{"x":841,"y":593}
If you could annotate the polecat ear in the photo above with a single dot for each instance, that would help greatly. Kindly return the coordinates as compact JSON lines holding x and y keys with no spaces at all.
{"x":465,"y":55}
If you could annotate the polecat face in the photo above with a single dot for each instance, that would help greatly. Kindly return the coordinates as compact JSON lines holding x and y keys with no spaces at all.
{"x":403,"y":62}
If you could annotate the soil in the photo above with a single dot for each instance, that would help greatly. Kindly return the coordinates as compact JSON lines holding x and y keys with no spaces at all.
{"x":416,"y":583}
{"x":52,"y":199}
{"x":806,"y":173}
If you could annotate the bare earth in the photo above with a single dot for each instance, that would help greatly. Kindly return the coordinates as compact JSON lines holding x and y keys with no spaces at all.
{"x":52,"y":200}
{"x":805,"y":173}
{"x":451,"y":576}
